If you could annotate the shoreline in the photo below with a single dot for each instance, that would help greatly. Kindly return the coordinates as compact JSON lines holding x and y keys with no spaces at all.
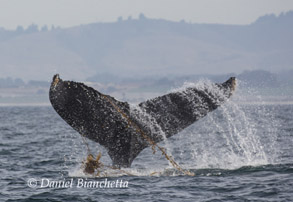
{"x":240,"y":103}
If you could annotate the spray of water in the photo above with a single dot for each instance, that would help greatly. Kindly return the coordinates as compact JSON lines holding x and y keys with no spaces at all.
{"x":230,"y":137}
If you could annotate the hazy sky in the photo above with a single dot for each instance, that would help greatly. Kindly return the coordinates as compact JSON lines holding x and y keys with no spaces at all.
{"x":66,"y":13}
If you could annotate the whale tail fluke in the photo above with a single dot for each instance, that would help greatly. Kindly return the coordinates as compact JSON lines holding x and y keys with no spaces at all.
{"x":110,"y":122}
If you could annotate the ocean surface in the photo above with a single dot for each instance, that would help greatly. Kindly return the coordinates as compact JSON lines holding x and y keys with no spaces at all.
{"x":238,"y":153}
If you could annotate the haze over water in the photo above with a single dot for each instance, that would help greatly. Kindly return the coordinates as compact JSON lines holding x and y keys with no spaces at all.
{"x":134,"y":50}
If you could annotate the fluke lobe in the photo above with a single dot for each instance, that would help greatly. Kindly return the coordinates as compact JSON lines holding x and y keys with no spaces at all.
{"x":121,"y":128}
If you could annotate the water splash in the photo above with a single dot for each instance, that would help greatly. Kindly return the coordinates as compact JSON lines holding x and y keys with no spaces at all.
{"x":233,"y":136}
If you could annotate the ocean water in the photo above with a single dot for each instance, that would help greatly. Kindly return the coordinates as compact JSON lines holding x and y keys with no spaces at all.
{"x":238,"y":153}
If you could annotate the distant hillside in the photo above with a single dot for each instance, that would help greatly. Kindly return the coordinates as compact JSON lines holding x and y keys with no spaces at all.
{"x":137,"y":48}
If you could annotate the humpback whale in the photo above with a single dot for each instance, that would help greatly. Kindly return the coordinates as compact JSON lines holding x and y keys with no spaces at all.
{"x":117,"y":125}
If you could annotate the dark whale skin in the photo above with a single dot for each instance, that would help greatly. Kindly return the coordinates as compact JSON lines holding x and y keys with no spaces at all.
{"x":95,"y":115}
